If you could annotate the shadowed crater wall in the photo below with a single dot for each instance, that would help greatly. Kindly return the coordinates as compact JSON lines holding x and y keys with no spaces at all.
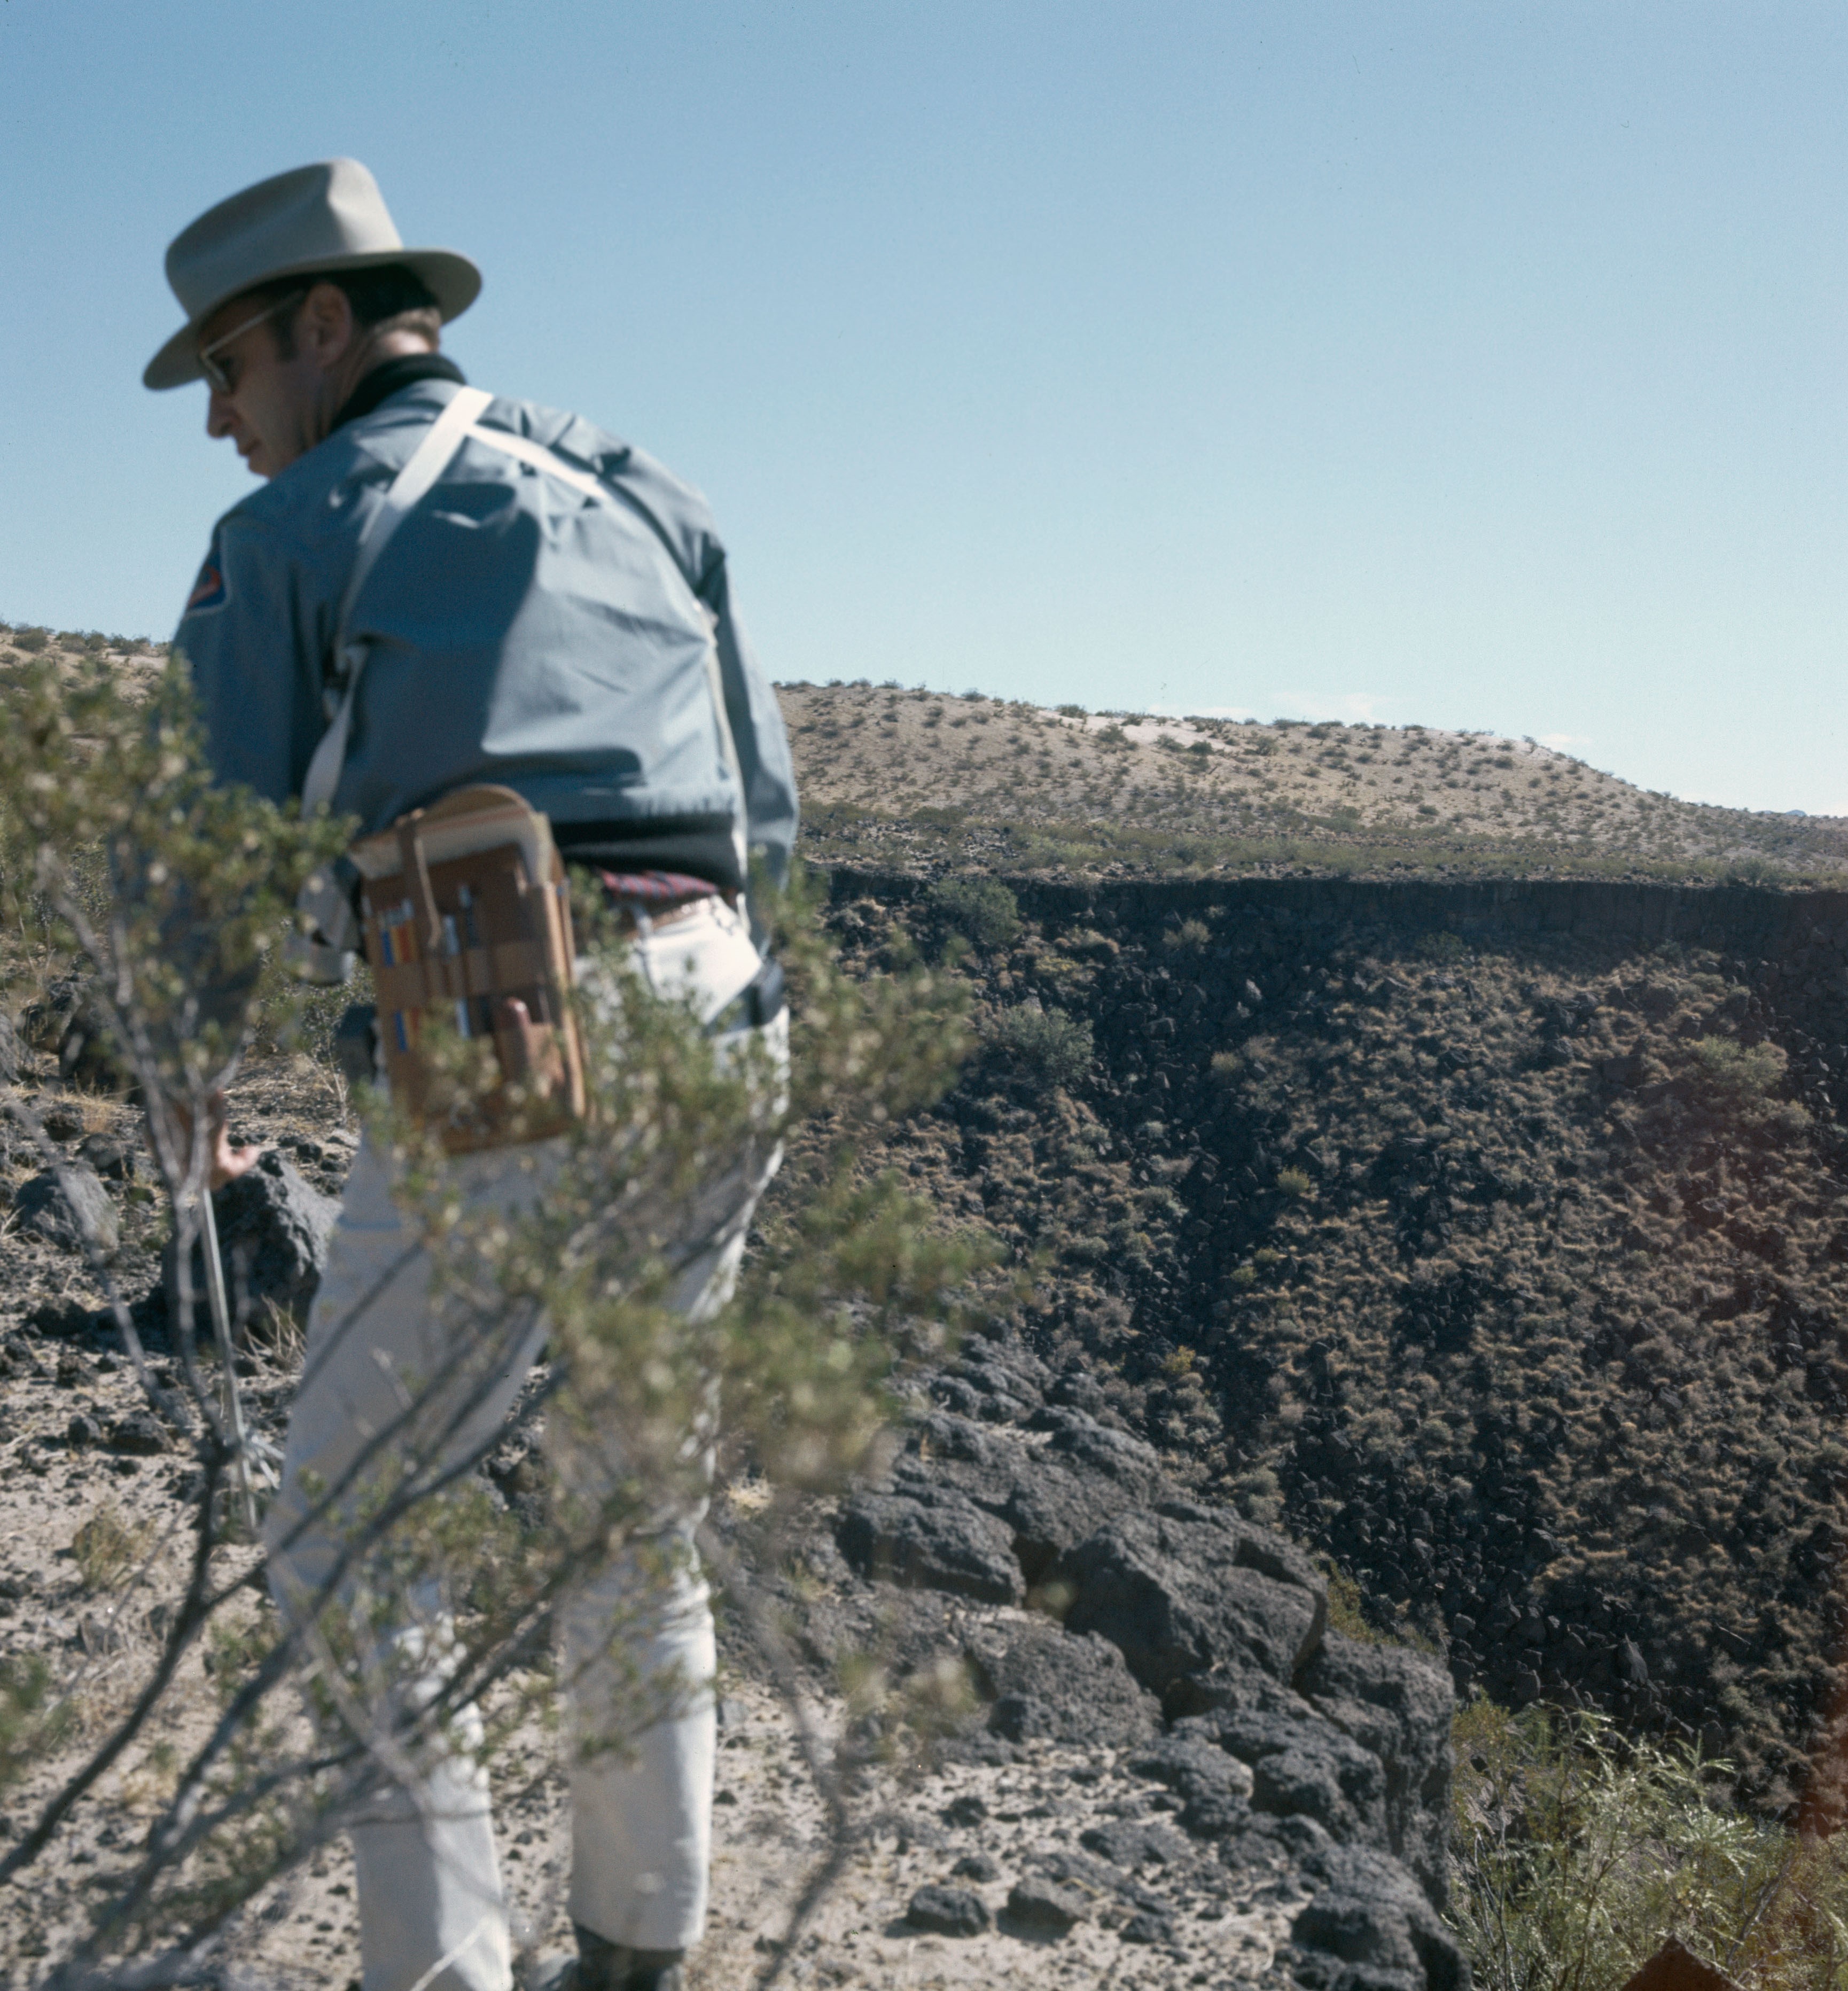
{"x":1490,"y":1239}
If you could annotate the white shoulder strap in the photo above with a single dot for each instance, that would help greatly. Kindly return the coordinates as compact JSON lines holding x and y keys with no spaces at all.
{"x":428,"y":461}
{"x":536,"y":456}
{"x":460,"y":421}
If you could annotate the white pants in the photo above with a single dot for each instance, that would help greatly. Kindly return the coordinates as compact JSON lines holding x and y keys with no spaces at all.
{"x":432,"y":1911}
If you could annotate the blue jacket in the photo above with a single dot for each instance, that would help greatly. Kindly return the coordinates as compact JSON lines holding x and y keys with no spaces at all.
{"x":519,"y":632}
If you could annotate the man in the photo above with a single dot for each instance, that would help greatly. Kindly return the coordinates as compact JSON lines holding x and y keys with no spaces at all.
{"x":554,"y":615}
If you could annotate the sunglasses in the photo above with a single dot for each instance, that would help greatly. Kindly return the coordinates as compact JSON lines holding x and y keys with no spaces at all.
{"x":221,"y":376}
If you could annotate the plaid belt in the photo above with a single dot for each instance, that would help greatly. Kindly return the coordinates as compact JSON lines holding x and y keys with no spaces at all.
{"x":656,"y":897}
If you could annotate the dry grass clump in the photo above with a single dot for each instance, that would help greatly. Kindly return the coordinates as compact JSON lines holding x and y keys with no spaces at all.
{"x":1577,"y":1853}
{"x":107,"y":1546}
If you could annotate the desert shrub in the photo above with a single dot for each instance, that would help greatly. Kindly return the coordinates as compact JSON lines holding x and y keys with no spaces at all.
{"x":1055,"y":1047}
{"x":850,"y":1271}
{"x":108,"y":1546}
{"x":1227,"y":1067}
{"x":1190,"y":933}
{"x":1345,"y":1614}
{"x":1295,"y":1182}
{"x":32,"y":1719}
{"x":1742,"y":1076}
{"x":1758,"y":871}
{"x":1575,"y":1854}
{"x":982,"y":909}
{"x":31,"y":641}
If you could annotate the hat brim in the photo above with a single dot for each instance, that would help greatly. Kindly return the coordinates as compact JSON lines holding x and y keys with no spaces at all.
{"x":452,"y":280}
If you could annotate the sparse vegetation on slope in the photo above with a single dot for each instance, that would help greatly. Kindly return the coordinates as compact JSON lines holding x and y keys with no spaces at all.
{"x":893,"y":776}
{"x":1508,"y":1272}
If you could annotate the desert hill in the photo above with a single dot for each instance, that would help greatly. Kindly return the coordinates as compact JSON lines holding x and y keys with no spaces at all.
{"x":890,"y":775}
{"x":908,"y":777}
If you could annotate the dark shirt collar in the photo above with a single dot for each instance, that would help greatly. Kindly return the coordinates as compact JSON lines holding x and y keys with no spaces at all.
{"x":389,"y":376}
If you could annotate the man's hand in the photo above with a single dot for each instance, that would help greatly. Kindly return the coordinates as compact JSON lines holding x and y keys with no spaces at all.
{"x":226,"y":1162}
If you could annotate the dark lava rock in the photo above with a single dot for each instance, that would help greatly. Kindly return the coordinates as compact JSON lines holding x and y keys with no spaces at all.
{"x":62,"y":1020}
{"x":948,"y":1911}
{"x":62,"y":1120}
{"x":1066,"y":1686}
{"x":1135,"y":1842}
{"x":1018,"y":1717}
{"x":1303,"y":1767}
{"x":1050,"y":1510}
{"x":965,"y":1811}
{"x":1215,"y":1789}
{"x":1047,"y":1507}
{"x":138,"y":1433}
{"x":975,"y":1867}
{"x":933,"y":1537}
{"x":9,"y":1051}
{"x":273,"y":1229}
{"x":1016,"y":1377}
{"x":115,"y":1161}
{"x":943,"y":1435}
{"x":1186,"y":1590}
{"x":959,"y":1398}
{"x":273,"y":1233}
{"x":1397,"y":1704}
{"x":1080,"y":1437}
{"x":1043,"y":1906}
{"x":61,"y":1211}
{"x":63,"y":1320}
{"x":16,"y":1359}
{"x":83,"y":1429}
{"x":1370,"y":1913}
{"x":1079,"y":1391}
{"x":1148,"y":1927}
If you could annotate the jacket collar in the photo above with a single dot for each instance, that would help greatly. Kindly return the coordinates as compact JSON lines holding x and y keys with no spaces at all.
{"x":389,"y":376}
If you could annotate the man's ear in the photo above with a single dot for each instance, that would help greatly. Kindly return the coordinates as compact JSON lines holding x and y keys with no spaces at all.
{"x":326,"y":326}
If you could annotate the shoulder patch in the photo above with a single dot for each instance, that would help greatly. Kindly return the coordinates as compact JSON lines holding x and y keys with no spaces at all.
{"x":210,"y":591}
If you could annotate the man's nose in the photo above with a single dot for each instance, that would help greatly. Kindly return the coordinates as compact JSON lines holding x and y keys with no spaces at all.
{"x":218,"y":414}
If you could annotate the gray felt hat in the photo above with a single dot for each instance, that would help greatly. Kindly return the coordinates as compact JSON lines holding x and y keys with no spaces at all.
{"x":327,"y":216}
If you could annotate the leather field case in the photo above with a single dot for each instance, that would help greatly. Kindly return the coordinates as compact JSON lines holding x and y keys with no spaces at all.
{"x":466,"y":917}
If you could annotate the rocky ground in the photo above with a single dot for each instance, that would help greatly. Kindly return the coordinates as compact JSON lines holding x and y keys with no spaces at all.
{"x":1492,"y":1256}
{"x":1503,"y":1273}
{"x":1187,"y":1779}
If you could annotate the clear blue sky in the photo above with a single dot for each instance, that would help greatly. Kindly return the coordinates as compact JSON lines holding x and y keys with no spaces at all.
{"x":1482,"y":365}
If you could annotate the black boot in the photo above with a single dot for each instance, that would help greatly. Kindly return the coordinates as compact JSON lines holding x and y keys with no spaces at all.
{"x":602,"y":1965}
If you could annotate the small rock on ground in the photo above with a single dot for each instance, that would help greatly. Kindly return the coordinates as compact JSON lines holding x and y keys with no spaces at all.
{"x":948,"y":1911}
{"x":61,"y":1211}
{"x":1043,"y":1906}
